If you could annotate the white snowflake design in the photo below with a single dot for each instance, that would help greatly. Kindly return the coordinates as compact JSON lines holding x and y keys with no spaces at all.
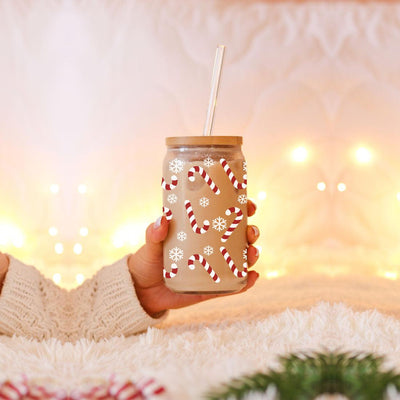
{"x":208,"y":161}
{"x":204,"y":202}
{"x":245,"y":166}
{"x":176,"y":165}
{"x":208,"y":250}
{"x":245,"y":254}
{"x":242,"y":199}
{"x":176,"y":254}
{"x":172,"y":198}
{"x":181,"y":236}
{"x":219,"y":224}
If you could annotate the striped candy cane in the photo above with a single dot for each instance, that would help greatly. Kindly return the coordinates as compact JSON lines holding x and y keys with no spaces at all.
{"x":232,"y":177}
{"x":172,"y":274}
{"x":193,"y":222}
{"x":205,"y":264}
{"x":169,"y":186}
{"x":234,"y":224}
{"x":205,"y":176}
{"x":167,"y":212}
{"x":232,"y":266}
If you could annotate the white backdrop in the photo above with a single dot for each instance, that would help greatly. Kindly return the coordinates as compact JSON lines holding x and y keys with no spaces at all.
{"x":90,"y":89}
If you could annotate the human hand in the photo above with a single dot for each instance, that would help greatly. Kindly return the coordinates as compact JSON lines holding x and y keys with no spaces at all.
{"x":4,"y":263}
{"x":146,"y":268}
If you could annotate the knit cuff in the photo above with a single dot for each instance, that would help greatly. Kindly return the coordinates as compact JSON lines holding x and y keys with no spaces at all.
{"x":116,"y":307}
{"x":22,"y":309}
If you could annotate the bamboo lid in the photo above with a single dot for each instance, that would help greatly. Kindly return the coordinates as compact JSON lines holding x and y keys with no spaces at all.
{"x":204,"y":140}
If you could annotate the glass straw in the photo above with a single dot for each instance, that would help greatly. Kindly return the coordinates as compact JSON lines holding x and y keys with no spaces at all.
{"x":219,"y":57}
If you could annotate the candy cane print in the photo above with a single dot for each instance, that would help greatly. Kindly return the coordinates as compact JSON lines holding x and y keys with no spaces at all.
{"x":205,"y":264}
{"x":205,"y":176}
{"x":167,"y":212}
{"x":232,"y":266}
{"x":172,"y":274}
{"x":169,"y":186}
{"x":232,"y":177}
{"x":234,"y":224}
{"x":193,"y":222}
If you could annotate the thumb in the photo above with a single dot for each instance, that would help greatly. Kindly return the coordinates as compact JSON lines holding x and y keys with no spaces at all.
{"x":155,"y":235}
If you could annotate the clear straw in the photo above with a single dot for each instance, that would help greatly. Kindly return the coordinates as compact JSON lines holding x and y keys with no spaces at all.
{"x":219,"y":58}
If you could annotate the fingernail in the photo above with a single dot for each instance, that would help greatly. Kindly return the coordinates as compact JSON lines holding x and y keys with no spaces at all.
{"x":157,"y":224}
{"x":257,"y":252}
{"x":255,"y":231}
{"x":258,"y":275}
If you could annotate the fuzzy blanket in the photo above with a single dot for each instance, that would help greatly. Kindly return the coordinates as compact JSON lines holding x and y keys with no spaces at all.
{"x":202,"y":346}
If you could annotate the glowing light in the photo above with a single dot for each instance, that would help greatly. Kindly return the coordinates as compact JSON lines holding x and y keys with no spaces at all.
{"x":130,"y":234}
{"x":398,"y":196}
{"x":272,"y":274}
{"x":78,"y":248}
{"x":59,"y":248}
{"x":82,"y":188}
{"x":321,"y":186}
{"x":57,"y":278}
{"x":84,"y":231}
{"x":363,"y":155}
{"x":53,"y":231}
{"x":11,"y":234}
{"x":390,"y":275}
{"x":299,"y":154}
{"x":54,"y":188}
{"x":80,"y":278}
{"x":262,"y":195}
{"x":341,"y":187}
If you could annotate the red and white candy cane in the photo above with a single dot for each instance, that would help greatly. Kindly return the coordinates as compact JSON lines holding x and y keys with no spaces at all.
{"x":205,"y":176}
{"x":234,"y":224}
{"x":167,"y":212}
{"x":169,"y":186}
{"x":232,"y":177}
{"x":193,"y":222}
{"x":205,"y":264}
{"x":232,"y":266}
{"x":172,"y":274}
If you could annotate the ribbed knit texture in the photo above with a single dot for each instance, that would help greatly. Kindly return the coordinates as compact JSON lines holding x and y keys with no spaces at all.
{"x":103,"y":306}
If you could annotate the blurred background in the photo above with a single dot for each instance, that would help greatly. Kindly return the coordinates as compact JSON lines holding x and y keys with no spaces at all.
{"x":90,"y":89}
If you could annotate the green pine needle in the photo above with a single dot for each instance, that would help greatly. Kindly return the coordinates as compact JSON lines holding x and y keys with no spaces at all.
{"x":306,"y":376}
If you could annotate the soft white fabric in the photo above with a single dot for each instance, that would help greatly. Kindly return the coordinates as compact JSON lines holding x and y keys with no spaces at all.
{"x":103,"y":306}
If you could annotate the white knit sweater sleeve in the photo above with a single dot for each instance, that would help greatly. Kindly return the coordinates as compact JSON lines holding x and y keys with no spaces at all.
{"x":103,"y":306}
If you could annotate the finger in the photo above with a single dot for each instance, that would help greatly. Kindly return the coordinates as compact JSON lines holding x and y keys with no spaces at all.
{"x":252,"y":255}
{"x":253,"y":234}
{"x":155,"y":234}
{"x":251,"y":208}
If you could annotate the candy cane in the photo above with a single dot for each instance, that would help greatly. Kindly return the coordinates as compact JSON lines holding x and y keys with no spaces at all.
{"x":205,"y":176}
{"x":205,"y":264}
{"x":193,"y":222}
{"x":232,"y":177}
{"x":172,"y":185}
{"x":172,"y":274}
{"x":232,"y":266}
{"x":167,"y":212}
{"x":234,"y":224}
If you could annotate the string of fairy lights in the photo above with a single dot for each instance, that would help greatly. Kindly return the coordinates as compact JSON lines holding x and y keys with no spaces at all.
{"x":12,"y":236}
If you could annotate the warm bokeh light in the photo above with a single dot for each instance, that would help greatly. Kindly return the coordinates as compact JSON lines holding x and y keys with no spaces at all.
{"x":54,"y":188}
{"x":391,"y":275}
{"x":10,"y":234}
{"x":262,"y":195}
{"x":57,"y":278}
{"x":53,"y":231}
{"x":82,"y":188}
{"x":299,"y":154}
{"x":80,"y":278}
{"x":321,"y":186}
{"x":398,"y":196}
{"x":131,"y":234}
{"x":84,"y":231}
{"x":59,"y":248}
{"x":341,"y":187}
{"x":272,"y":274}
{"x":363,"y":155}
{"x":78,"y":248}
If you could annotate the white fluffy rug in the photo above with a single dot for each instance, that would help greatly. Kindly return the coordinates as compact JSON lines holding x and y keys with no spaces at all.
{"x":200,"y":347}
